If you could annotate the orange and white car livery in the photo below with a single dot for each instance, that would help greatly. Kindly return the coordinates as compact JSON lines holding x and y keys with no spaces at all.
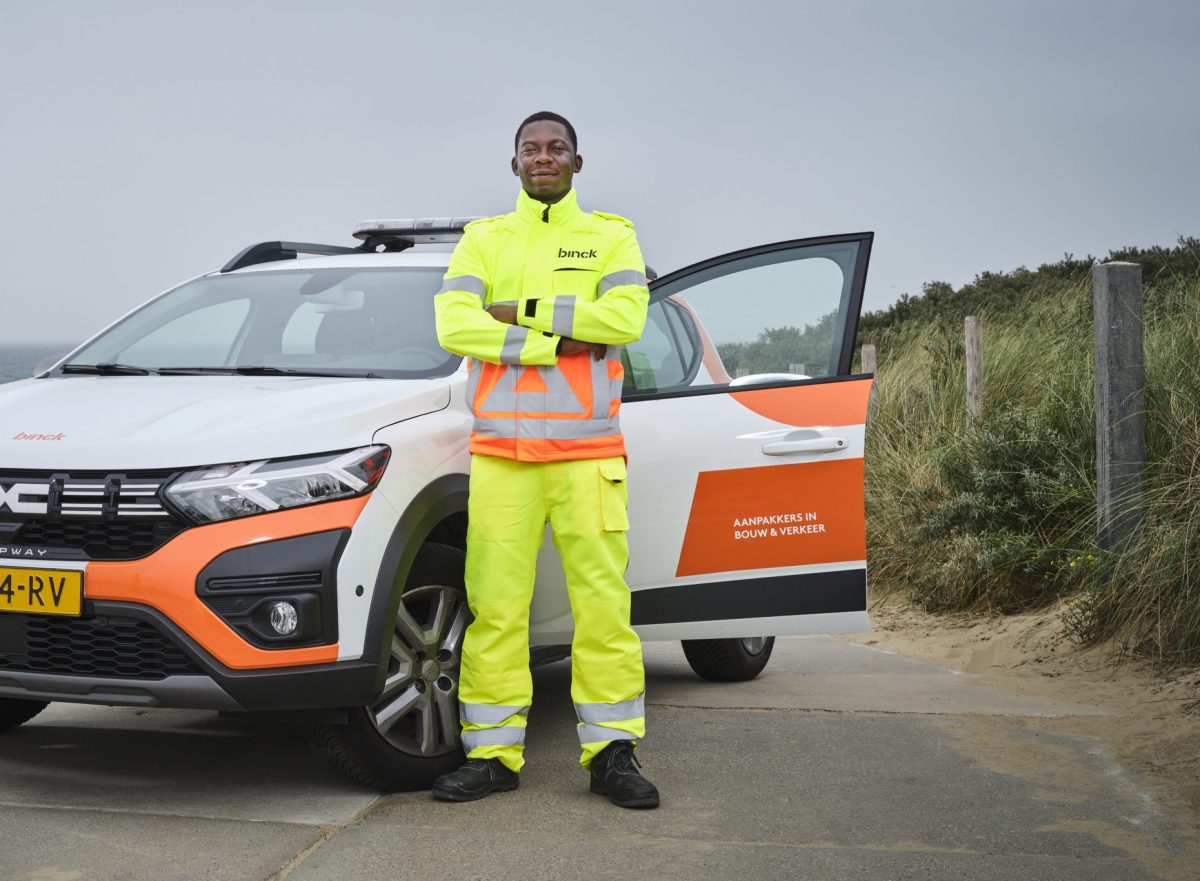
{"x":250,"y":493}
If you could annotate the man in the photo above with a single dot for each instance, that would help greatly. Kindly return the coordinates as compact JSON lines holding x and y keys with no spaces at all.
{"x":542,"y":300}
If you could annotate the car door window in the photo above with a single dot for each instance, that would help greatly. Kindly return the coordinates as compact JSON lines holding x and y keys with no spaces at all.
{"x":774,"y":314}
{"x":666,"y":355}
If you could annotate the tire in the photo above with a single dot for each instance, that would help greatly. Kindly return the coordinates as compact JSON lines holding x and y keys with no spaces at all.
{"x":14,"y":711}
{"x":410,"y":736}
{"x":728,"y":660}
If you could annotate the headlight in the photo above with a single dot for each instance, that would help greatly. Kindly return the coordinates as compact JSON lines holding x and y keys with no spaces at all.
{"x":223,"y":492}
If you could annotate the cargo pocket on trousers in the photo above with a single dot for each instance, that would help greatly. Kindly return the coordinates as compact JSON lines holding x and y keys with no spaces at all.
{"x":613,"y":495}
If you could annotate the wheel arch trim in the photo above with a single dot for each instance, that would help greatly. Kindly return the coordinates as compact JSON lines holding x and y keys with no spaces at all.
{"x":439,"y":500}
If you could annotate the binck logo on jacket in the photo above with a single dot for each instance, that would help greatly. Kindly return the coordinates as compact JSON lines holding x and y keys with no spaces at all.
{"x":582,"y":255}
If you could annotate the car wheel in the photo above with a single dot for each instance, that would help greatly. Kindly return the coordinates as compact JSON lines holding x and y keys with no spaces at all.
{"x":729,"y":660}
{"x":14,"y":711}
{"x":410,"y":735}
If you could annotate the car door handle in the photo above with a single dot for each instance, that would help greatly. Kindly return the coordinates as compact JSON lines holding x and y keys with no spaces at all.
{"x":808,"y":445}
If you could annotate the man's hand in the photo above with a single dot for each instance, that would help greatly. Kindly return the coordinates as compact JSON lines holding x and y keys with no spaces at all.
{"x":574,"y":347}
{"x":503,"y":314}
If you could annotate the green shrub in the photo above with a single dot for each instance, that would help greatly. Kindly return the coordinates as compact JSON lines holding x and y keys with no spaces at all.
{"x":1001,"y":514}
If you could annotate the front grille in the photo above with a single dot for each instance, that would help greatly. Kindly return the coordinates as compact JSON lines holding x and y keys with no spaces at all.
{"x":111,"y":646}
{"x":100,"y":541}
{"x":92,"y":515}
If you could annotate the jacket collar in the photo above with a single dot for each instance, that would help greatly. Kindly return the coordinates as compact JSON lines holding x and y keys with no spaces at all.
{"x":562,"y":211}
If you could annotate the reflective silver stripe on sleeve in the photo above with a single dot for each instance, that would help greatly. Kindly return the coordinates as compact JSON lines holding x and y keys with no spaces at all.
{"x":489,"y":714}
{"x":514,"y":342}
{"x":468,"y":283}
{"x":505,"y":736}
{"x":548,"y":429}
{"x":634,"y":708}
{"x":596,"y":733}
{"x":564,"y":316}
{"x":616,"y":279}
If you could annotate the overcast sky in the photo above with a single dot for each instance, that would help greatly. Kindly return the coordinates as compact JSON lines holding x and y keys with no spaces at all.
{"x":146,"y":142}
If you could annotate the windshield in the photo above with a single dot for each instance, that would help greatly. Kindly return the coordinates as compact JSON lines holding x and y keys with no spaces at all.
{"x":339,"y":322}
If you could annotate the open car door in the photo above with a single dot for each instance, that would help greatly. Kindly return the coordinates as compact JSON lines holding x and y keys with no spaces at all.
{"x":745,"y":431}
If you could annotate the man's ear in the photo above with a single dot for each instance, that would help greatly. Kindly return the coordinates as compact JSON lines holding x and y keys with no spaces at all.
{"x":578,"y":163}
{"x":514,"y":165}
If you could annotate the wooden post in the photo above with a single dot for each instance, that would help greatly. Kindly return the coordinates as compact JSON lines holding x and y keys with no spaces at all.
{"x":868,"y":358}
{"x":868,"y":366}
{"x":974,"y":344}
{"x":1120,"y":401}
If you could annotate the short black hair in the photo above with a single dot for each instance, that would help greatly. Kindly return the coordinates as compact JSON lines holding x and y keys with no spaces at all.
{"x":550,"y":117}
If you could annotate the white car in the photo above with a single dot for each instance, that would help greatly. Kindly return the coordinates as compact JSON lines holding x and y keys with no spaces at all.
{"x":250,"y":493}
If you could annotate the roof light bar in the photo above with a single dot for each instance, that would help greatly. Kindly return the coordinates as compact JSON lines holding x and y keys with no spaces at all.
{"x":419,"y":231}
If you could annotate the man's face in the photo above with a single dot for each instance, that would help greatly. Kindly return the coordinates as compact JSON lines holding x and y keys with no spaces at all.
{"x":545,"y":161}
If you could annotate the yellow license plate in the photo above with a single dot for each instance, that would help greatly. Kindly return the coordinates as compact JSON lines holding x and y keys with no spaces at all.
{"x":41,"y":591}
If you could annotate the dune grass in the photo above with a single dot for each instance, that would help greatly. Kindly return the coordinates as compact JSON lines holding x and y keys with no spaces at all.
{"x":1000,"y":514}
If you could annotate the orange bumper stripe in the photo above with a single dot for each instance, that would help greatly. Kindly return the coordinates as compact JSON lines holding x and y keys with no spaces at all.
{"x":166,"y":580}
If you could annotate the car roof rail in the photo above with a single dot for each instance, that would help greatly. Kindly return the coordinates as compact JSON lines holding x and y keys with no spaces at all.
{"x":268,"y":252}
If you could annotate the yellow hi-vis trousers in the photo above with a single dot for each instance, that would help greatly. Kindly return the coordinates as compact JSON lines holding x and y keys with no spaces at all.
{"x":585,"y":503}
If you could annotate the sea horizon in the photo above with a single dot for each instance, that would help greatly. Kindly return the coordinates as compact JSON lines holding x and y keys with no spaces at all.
{"x":17,"y":360}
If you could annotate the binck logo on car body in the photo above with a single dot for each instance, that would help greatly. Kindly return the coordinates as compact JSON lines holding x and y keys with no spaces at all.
{"x":582,"y":255}
{"x":38,"y":437}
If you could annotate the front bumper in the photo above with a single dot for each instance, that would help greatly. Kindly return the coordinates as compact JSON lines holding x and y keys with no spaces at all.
{"x":178,"y":627}
{"x":210,"y":685}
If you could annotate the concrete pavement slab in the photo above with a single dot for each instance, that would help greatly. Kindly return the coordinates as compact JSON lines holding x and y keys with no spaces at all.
{"x":518,"y":852}
{"x":782,"y":792}
{"x":173,"y":762}
{"x":840,"y":761}
{"x":819,"y":673}
{"x":68,"y":845}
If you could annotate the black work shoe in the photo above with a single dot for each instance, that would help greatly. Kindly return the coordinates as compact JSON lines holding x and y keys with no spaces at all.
{"x":475,"y":779}
{"x":614,"y":775}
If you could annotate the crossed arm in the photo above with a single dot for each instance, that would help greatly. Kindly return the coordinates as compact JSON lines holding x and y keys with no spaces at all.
{"x":539,"y":330}
{"x":507,"y":314}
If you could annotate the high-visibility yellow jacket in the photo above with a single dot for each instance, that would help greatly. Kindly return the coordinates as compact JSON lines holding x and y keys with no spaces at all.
{"x":569,"y":274}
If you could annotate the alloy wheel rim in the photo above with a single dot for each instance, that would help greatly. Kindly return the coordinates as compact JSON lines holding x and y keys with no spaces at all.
{"x":417,"y":713}
{"x":754,"y":645}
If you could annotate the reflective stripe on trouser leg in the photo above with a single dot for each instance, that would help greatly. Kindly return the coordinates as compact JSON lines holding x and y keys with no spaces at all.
{"x":476,"y":740}
{"x":604,"y":722}
{"x":587,"y":511}
{"x":506,"y":521}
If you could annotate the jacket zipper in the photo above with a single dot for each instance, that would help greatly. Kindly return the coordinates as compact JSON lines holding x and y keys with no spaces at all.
{"x":546,"y":215}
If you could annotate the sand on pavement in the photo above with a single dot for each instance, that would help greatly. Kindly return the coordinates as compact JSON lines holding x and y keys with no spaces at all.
{"x":1153,"y":721}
